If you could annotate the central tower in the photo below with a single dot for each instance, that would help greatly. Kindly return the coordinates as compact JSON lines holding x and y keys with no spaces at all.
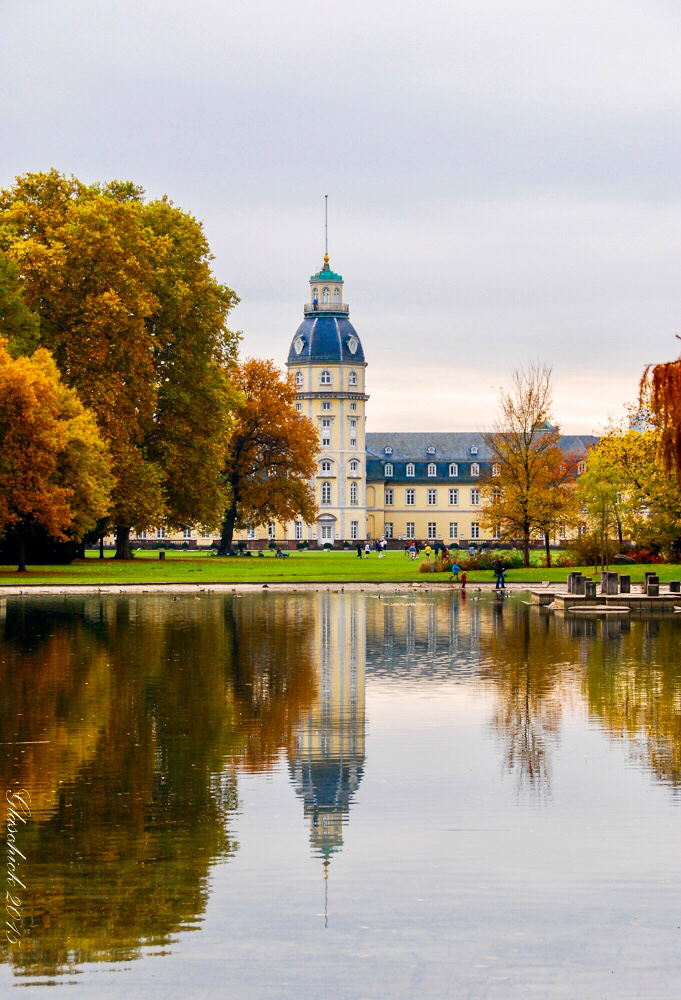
{"x":328,"y":366}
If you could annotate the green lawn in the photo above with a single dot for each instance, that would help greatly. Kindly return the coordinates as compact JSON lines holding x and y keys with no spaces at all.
{"x":311,"y":567}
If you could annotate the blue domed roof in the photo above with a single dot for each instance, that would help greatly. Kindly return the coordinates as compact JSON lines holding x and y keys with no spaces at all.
{"x":326,"y":338}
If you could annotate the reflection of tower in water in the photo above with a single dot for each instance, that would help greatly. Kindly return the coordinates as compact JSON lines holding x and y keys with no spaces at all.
{"x":327,"y":758}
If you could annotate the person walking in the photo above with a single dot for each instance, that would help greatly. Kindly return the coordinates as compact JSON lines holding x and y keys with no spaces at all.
{"x":412,"y":550}
{"x":367,"y":550}
{"x":498,"y":568}
{"x":359,"y":550}
{"x":427,"y":552}
{"x":463,"y":581}
{"x":455,"y":572}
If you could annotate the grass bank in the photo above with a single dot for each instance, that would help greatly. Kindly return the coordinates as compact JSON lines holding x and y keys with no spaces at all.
{"x":301,"y":567}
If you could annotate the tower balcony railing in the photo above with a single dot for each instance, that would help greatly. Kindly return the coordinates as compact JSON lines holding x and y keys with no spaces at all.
{"x":325,"y":307}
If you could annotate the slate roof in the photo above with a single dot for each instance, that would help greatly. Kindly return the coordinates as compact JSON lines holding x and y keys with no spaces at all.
{"x":454,"y":446}
{"x":325,"y":338}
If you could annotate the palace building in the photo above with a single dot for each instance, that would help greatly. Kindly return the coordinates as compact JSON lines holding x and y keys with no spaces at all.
{"x":393,"y":485}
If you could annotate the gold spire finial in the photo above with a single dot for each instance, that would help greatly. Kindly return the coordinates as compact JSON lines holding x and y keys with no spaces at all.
{"x":326,"y":263}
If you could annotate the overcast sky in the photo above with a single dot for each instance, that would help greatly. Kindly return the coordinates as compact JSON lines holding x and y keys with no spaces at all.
{"x":503,"y":177}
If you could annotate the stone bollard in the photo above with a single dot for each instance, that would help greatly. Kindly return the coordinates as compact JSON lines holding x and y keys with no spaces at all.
{"x":590,"y":588}
{"x":652,"y":585}
{"x":579,"y":586}
{"x":646,"y":577}
{"x":675,"y":587}
{"x":162,"y":556}
{"x":608,"y":583}
{"x":625,"y":585}
{"x":572,"y":582}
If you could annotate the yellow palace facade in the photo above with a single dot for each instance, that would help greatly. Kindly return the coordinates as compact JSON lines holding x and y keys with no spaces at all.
{"x":393,"y":485}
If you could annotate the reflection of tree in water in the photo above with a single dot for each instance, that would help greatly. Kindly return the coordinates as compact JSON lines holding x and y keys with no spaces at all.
{"x":133,"y":793}
{"x":638,"y":693}
{"x":524,"y":656}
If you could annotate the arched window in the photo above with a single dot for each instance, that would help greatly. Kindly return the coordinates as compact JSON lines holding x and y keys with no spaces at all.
{"x":326,"y":468}
{"x":353,"y":493}
{"x":326,"y":296}
{"x":388,"y":468}
{"x":336,"y":296}
{"x":432,"y":469}
{"x":475,"y":469}
{"x":411,"y":471}
{"x":354,"y":467}
{"x":496,"y":469}
{"x":352,"y":379}
{"x":326,"y":493}
{"x":453,"y":469}
{"x":315,"y":295}
{"x":299,"y":380}
{"x":325,"y":377}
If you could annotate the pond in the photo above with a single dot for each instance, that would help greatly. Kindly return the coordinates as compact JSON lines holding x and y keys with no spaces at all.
{"x":342,"y":794}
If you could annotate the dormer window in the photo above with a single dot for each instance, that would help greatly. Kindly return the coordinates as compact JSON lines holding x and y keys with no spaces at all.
{"x":453,"y":469}
{"x":387,"y":451}
{"x":325,"y":377}
{"x":326,"y":296}
{"x":474,"y":449}
{"x":352,"y":379}
{"x":475,"y":469}
{"x":388,"y":468}
{"x":431,"y":450}
{"x":298,"y":378}
{"x":410,"y":470}
{"x":432,"y":469}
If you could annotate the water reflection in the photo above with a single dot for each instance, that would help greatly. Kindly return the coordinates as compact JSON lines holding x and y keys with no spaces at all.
{"x":131,"y":720}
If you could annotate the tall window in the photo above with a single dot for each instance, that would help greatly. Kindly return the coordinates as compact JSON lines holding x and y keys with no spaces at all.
{"x":352,"y":379}
{"x":389,"y":497}
{"x":326,"y":432}
{"x":250,"y":534}
{"x":388,"y":469}
{"x":270,"y":530}
{"x":475,"y":498}
{"x":299,"y":379}
{"x":325,"y":468}
{"x":325,"y":377}
{"x":475,"y":469}
{"x":336,"y":296}
{"x":326,"y":404}
{"x":326,"y":493}
{"x":205,"y":534}
{"x":143,"y":535}
{"x":475,"y":530}
{"x":299,"y":407}
{"x":432,"y":469}
{"x":432,"y":529}
{"x":354,"y":530}
{"x":496,"y":469}
{"x":453,"y":498}
{"x":353,"y":406}
{"x":298,"y":531}
{"x":326,"y":296}
{"x":411,"y":471}
{"x":187,"y":533}
{"x":581,"y":468}
{"x":432,"y":498}
{"x":410,"y":497}
{"x":410,"y":529}
{"x":160,"y":532}
{"x":496,"y":532}
{"x":325,"y":532}
{"x":453,"y":530}
{"x":354,"y":467}
{"x":353,"y":494}
{"x":453,"y":469}
{"x":388,"y":529}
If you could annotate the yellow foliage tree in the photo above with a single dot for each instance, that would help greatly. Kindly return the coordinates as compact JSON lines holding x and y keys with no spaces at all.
{"x":54,"y":467}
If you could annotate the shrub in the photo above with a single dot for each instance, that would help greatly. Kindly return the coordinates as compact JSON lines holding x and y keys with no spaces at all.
{"x":301,"y":545}
{"x":272,"y":545}
{"x":327,"y":545}
{"x":185,"y":545}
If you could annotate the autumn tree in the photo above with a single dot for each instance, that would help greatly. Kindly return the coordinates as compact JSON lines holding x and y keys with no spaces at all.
{"x":136,"y":322}
{"x":532,"y":489}
{"x":271,"y":455}
{"x":660,"y":390}
{"x":54,"y":467}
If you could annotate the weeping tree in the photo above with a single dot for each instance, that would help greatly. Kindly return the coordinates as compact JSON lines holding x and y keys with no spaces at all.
{"x":660,"y":390}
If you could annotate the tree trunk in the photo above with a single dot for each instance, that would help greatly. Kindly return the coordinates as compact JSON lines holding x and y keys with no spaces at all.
{"x":21,"y":568}
{"x":619,"y":532}
{"x":526,"y":548}
{"x":123,"y":550}
{"x":101,"y":546}
{"x":81,"y":549}
{"x":227,"y":531}
{"x":547,"y":542}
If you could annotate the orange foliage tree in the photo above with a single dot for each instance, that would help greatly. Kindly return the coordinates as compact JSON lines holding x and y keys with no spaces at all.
{"x":54,"y":467}
{"x":271,"y":455}
{"x":661,"y":393}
